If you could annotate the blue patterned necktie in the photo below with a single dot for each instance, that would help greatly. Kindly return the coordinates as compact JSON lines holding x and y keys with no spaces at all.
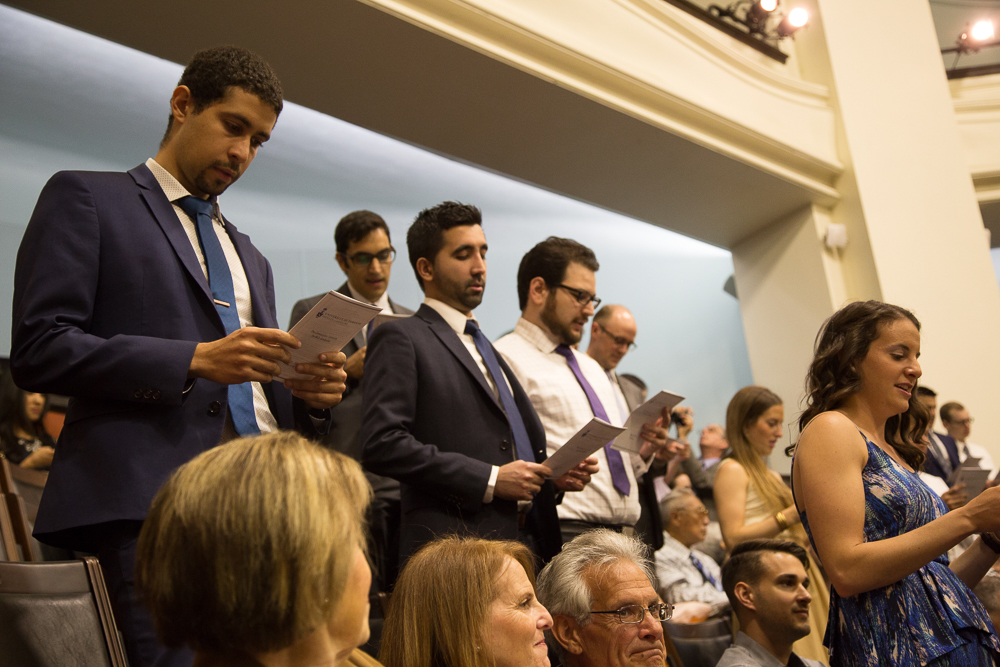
{"x":704,"y":573}
{"x":220,"y":279}
{"x":615,"y":464}
{"x":522,"y":444}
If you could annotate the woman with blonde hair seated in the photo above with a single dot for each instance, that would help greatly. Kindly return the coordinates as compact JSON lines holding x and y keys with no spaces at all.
{"x":466,"y":602}
{"x":753,"y":502}
{"x":253,"y":554}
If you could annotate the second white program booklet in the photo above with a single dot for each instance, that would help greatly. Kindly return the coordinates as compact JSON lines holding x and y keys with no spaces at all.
{"x":647,"y":413}
{"x":331,"y":323}
{"x":595,"y":434}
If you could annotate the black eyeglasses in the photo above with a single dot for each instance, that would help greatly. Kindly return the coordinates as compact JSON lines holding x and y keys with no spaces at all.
{"x":635,"y":613}
{"x":582,"y":297}
{"x":619,"y":340}
{"x":365,"y":258}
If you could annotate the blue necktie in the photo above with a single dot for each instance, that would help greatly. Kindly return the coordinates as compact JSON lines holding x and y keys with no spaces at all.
{"x":704,"y":573}
{"x":522,"y":444}
{"x":617,"y":467}
{"x":220,"y":279}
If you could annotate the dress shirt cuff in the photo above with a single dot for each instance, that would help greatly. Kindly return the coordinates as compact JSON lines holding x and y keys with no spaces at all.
{"x":488,"y":497}
{"x":639,"y":467}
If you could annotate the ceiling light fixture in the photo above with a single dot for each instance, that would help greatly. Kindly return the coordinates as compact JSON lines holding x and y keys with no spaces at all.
{"x":979,"y":36}
{"x":761,"y":18}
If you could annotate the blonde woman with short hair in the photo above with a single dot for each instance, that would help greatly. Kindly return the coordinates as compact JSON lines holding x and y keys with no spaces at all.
{"x":253,"y":554}
{"x":466,"y":602}
{"x":753,"y":502}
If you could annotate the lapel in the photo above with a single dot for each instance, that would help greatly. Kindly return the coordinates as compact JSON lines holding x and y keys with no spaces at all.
{"x":262,"y":316}
{"x":165,"y":216}
{"x":450,"y":339}
{"x":359,"y":339}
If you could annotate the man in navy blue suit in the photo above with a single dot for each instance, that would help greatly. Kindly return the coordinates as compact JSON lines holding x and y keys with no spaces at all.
{"x":444,"y":414}
{"x":942,"y":452}
{"x":136,"y":298}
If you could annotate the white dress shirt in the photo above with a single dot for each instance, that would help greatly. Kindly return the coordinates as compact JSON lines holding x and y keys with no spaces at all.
{"x":382,"y":302}
{"x":563,"y":408}
{"x":244,"y":308}
{"x":457,"y":320}
{"x":679,"y":578}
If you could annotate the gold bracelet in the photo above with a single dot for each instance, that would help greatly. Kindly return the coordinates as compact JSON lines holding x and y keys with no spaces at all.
{"x":782,"y":521}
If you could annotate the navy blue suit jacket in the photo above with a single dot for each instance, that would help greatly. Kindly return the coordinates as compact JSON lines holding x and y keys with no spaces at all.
{"x":431,"y":421}
{"x":933,"y":466}
{"x":109,"y":303}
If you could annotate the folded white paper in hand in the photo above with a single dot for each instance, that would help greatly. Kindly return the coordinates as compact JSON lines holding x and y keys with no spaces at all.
{"x":647,"y":413}
{"x":595,"y":434}
{"x":328,"y":327}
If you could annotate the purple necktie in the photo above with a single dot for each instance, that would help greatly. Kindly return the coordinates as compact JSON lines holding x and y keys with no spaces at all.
{"x":618,"y":475}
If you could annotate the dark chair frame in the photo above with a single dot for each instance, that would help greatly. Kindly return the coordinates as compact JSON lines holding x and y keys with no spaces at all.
{"x":18,"y":513}
{"x":68,"y":577}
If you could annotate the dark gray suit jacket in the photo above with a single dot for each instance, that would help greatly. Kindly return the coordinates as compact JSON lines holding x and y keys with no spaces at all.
{"x":344,"y":434}
{"x":650,"y":524}
{"x":432,"y":422}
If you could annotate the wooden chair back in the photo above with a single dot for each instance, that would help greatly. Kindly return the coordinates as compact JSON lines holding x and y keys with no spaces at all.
{"x":57,"y":614}
{"x":18,"y":513}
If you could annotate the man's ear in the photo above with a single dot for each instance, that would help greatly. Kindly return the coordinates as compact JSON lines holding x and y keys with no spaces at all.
{"x":744,"y":594}
{"x":181,"y":104}
{"x":341,"y":261}
{"x":538,"y":291}
{"x":425,"y":269}
{"x":567,"y":632}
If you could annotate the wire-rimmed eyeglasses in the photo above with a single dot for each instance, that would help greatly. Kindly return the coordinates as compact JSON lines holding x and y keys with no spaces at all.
{"x":635,"y":613}
{"x":365,"y":258}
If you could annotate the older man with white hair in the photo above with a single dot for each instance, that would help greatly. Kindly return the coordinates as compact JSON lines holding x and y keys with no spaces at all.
{"x":605,"y":609}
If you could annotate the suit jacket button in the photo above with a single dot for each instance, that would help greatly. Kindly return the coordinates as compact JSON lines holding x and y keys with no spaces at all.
{"x":504,"y":445}
{"x":138,"y":393}
{"x":156,"y":394}
{"x":147,"y":394}
{"x":213,"y":408}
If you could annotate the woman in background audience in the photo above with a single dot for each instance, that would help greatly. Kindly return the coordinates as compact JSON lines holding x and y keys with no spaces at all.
{"x":23,"y":439}
{"x":466,"y":602}
{"x":252,"y":554}
{"x":881,"y":532}
{"x":753,"y":502}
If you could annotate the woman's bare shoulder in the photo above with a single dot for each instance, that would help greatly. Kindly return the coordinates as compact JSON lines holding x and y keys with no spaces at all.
{"x":831,"y":430}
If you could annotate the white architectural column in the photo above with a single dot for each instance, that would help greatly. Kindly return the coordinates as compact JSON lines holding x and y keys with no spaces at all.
{"x":916,"y":235}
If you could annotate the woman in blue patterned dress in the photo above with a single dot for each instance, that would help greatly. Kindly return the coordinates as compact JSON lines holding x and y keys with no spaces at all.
{"x":880,"y":533}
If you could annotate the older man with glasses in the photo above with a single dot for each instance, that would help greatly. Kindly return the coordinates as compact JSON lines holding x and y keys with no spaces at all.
{"x":365,"y":255}
{"x":556,"y":287}
{"x":686,"y":574}
{"x":605,"y":610}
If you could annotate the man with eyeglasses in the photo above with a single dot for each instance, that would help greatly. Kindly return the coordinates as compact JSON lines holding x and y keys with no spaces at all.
{"x":556,"y":290}
{"x":622,"y":624}
{"x":365,"y":255}
{"x":958,"y":424}
{"x":766,"y":582}
{"x":686,"y":574}
{"x":612,"y":336}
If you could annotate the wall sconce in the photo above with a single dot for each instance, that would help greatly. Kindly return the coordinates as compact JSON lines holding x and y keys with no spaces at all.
{"x":761,"y":19}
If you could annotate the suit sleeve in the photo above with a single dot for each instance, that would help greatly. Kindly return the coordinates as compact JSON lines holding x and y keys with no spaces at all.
{"x":56,"y":282}
{"x":299,"y":311}
{"x":389,"y":412}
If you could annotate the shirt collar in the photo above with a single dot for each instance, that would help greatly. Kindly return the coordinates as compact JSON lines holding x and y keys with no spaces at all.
{"x":171,"y":186}
{"x":455,"y":318}
{"x":535,"y":335}
{"x":382,"y":302}
{"x":757,"y":651}
{"x":675,"y":544}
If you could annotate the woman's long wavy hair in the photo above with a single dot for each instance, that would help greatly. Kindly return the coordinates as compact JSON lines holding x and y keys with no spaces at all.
{"x":842,"y":344}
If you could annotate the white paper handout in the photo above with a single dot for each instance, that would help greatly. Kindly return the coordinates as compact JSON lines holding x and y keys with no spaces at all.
{"x":331,"y":323}
{"x":974,"y":479}
{"x":595,"y":434}
{"x":648,"y":412}
{"x":386,"y":316}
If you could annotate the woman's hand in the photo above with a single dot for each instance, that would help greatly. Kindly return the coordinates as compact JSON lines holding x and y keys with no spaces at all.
{"x":40,"y":459}
{"x":984,"y":510}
